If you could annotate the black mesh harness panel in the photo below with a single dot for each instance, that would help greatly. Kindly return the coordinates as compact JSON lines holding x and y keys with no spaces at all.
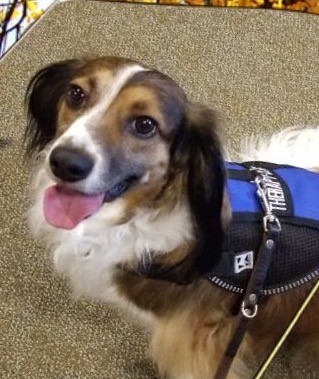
{"x":296,"y":260}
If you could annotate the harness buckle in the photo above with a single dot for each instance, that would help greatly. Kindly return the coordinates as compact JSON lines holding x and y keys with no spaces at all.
{"x":272,"y":221}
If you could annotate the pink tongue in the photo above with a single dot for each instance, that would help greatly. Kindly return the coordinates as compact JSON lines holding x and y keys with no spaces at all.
{"x":65,"y":209}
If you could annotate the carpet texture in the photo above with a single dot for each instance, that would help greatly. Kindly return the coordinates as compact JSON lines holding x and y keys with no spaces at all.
{"x":258,"y":69}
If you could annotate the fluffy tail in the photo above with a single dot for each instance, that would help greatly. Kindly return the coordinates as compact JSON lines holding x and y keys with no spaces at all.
{"x":293,"y":146}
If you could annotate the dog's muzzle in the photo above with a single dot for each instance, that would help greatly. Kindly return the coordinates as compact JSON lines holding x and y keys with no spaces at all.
{"x":66,"y":207}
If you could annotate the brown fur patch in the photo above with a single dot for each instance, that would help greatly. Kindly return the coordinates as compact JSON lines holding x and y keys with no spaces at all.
{"x":131,"y":102}
{"x":92,"y":85}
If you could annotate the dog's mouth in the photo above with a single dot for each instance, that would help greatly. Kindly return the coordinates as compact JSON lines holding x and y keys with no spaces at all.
{"x":65,"y":208}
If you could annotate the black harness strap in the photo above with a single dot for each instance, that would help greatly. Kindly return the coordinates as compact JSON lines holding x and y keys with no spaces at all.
{"x":249,"y":304}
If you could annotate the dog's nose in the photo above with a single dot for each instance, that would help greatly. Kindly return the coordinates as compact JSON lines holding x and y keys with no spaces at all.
{"x":69,"y":164}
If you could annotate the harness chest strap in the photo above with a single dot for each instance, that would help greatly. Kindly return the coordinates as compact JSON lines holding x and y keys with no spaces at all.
{"x":249,"y":305}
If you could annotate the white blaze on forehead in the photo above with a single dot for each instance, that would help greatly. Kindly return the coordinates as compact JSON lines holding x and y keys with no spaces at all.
{"x":117,"y":84}
{"x":78,"y":132}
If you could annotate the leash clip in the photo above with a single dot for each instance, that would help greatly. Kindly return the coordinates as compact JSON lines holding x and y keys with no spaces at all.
{"x":270,"y":221}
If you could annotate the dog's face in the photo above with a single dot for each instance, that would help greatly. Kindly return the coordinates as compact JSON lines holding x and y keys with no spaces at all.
{"x":114,"y":125}
{"x":117,"y":132}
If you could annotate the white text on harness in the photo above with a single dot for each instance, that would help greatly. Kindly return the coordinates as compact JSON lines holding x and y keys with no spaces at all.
{"x":273,"y":189}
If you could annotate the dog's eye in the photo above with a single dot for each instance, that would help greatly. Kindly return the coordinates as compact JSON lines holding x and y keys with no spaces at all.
{"x":144,"y":126}
{"x":75,"y":96}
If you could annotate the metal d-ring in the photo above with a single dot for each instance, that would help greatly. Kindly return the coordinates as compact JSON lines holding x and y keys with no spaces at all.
{"x":247,"y":311}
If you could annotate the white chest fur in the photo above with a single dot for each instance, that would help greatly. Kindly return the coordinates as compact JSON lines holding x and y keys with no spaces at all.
{"x":88,"y":254}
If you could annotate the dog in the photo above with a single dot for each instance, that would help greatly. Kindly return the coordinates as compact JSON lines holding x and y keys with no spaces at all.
{"x":130,"y":194}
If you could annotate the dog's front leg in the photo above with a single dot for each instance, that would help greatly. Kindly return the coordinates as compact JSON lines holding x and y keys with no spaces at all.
{"x":188,"y":346}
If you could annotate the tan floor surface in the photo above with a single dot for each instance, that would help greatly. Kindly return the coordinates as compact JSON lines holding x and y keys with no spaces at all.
{"x":259,"y":69}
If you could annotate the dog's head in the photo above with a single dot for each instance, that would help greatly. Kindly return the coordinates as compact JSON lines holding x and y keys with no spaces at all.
{"x":117,"y":132}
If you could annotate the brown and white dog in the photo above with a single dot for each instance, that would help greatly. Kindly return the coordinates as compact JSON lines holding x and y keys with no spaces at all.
{"x":130,"y":197}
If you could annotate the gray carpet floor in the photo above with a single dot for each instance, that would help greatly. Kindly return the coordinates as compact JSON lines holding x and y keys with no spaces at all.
{"x":258,"y":69}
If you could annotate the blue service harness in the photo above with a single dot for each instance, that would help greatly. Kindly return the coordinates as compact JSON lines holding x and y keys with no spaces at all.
{"x":290,"y":197}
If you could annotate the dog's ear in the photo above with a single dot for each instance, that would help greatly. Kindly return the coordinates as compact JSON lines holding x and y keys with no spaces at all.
{"x":206,"y":183}
{"x":43,"y":95}
{"x":198,"y":147}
